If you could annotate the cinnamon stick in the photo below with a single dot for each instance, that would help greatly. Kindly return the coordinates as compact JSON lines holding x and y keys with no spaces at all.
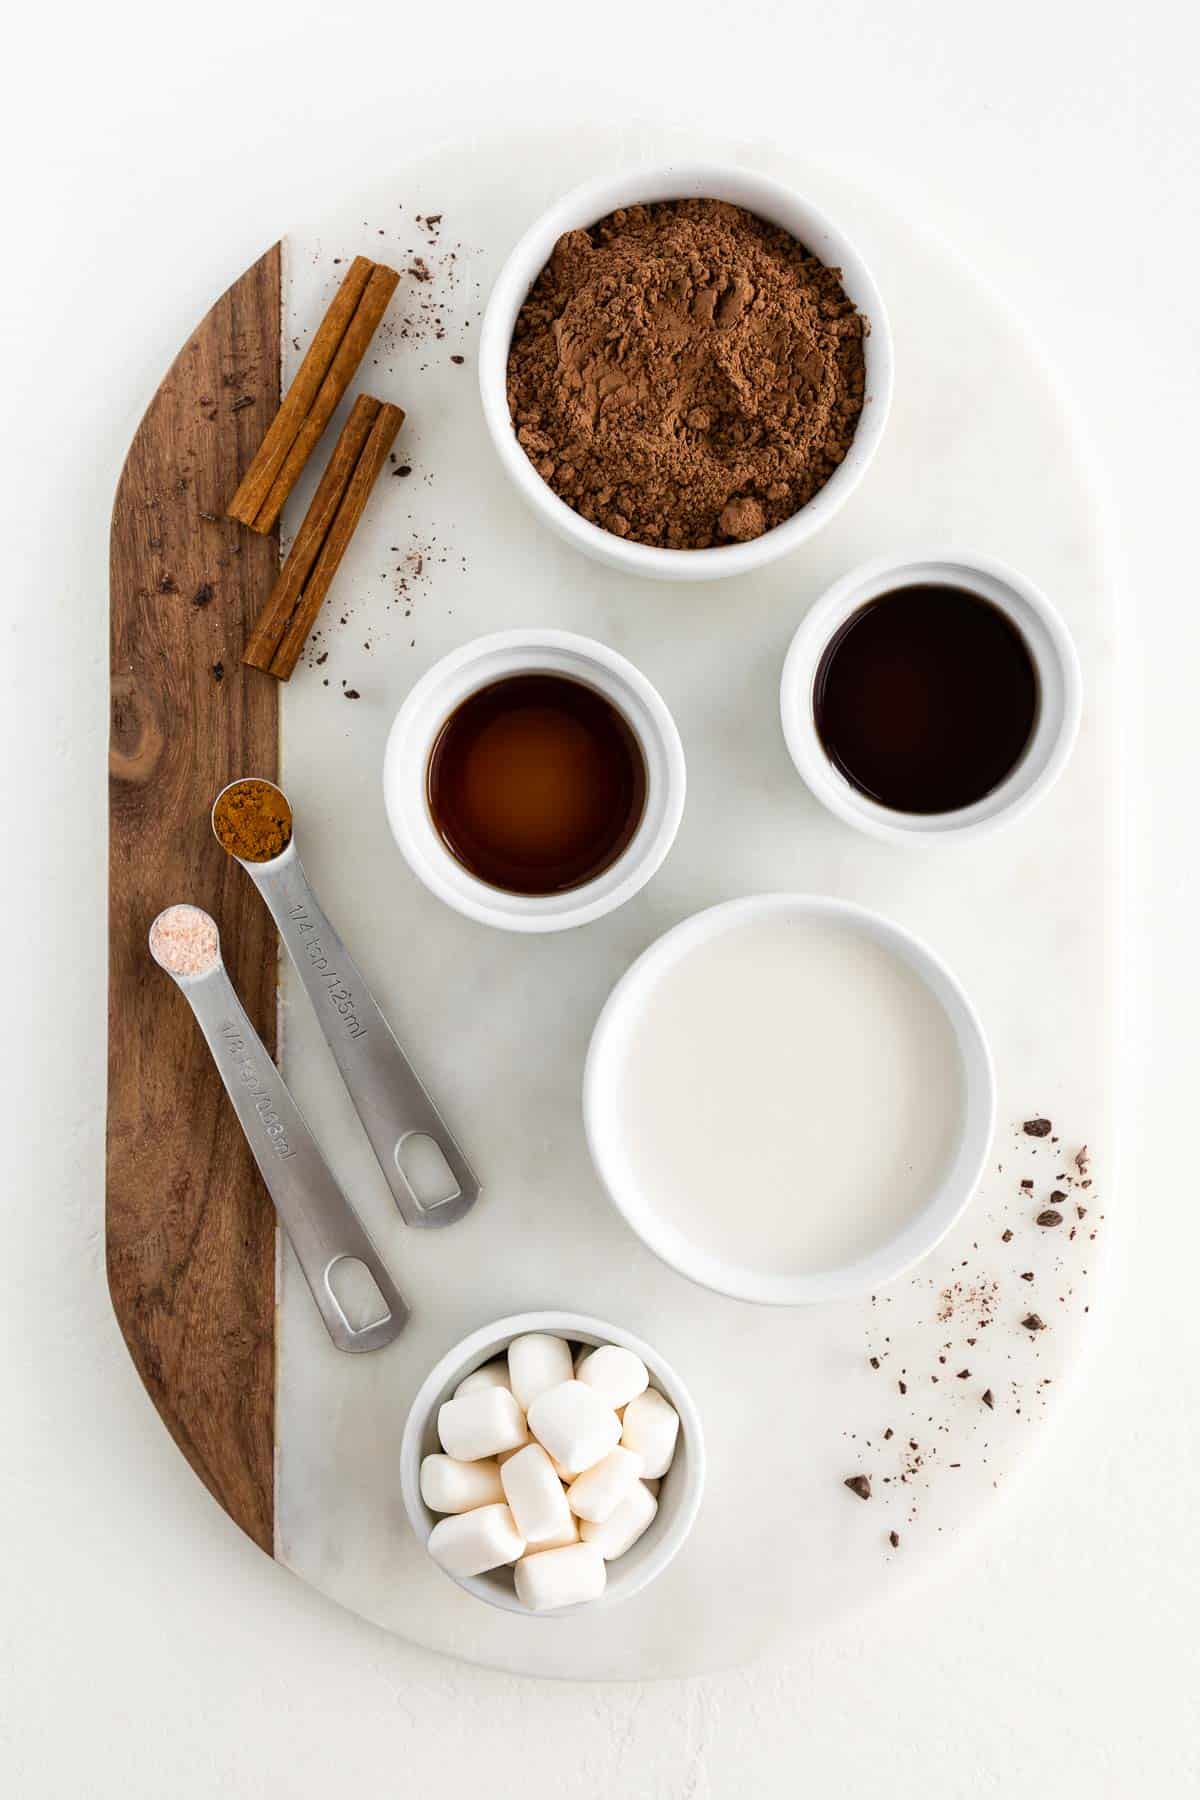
{"x":371,"y":307}
{"x":371,"y":460}
{"x":281,"y":433}
{"x":272,"y":621}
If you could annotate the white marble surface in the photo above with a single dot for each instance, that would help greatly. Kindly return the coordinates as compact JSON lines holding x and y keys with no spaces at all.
{"x":143,"y":1640}
{"x":979,"y":453}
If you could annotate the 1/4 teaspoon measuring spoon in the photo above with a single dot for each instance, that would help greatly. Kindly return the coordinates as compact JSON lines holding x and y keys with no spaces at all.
{"x":323,"y":1227}
{"x":385,"y":1088}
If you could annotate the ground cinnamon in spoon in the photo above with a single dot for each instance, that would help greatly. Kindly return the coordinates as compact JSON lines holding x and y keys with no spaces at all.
{"x":685,"y":374}
{"x":253,"y":821}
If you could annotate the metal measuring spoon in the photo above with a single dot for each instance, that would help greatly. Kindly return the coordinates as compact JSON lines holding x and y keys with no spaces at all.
{"x":319,"y":1220}
{"x":385,"y":1088}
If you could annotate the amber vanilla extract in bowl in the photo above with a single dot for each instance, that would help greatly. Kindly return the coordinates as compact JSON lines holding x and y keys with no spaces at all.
{"x":534,"y":780}
{"x":685,"y":370}
{"x":930,"y":700}
{"x":536,"y":783}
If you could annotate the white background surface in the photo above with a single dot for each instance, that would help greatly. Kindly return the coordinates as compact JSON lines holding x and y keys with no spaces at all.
{"x":146,"y":1646}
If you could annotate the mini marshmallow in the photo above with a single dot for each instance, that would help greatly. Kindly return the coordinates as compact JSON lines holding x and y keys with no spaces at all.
{"x":472,"y":1542}
{"x":537,"y":1501}
{"x":481,"y":1423}
{"x":617,"y":1375}
{"x":596,"y":1494}
{"x":537,"y":1362}
{"x":565,"y":1577}
{"x":573,"y":1424}
{"x":448,"y":1486}
{"x":650,"y":1426}
{"x":492,"y":1374}
{"x":622,"y":1528}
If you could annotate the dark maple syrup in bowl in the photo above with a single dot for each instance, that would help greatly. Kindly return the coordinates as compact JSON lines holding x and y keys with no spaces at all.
{"x":536,"y":783}
{"x":926,"y":698}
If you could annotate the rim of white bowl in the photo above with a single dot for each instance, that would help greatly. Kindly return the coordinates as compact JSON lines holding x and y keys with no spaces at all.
{"x":480,"y":1347}
{"x":447,"y":683}
{"x":1060,"y":696}
{"x":769,"y":199}
{"x":923,"y":1232}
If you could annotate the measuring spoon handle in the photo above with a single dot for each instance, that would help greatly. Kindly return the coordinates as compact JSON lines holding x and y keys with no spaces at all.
{"x":386,"y":1090}
{"x":319,"y":1220}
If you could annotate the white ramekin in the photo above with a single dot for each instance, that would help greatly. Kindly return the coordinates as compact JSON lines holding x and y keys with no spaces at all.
{"x":678,"y":1496}
{"x":769,"y":200}
{"x":445,"y":686}
{"x":1060,"y":700}
{"x":615,"y":1167}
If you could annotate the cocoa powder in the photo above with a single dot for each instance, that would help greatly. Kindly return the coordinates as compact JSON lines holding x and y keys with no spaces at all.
{"x":685,"y":374}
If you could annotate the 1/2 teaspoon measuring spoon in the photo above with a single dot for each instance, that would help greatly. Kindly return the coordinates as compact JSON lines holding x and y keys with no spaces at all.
{"x":323,"y":1227}
{"x":387,"y":1093}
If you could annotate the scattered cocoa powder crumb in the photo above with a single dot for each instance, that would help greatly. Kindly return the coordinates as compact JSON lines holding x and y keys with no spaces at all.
{"x":458,"y":359}
{"x":964,"y":1374}
{"x":1032,"y":1322}
{"x":1082,"y":1160}
{"x":689,"y":369}
{"x":218,"y":671}
{"x":903,"y":1386}
{"x":989,"y":1399}
{"x":203,"y":594}
{"x":1037,"y":1128}
{"x":889,"y":1433}
{"x":323,"y":658}
{"x":1027,"y":1275}
{"x":978,"y":1298}
{"x":894,"y":1539}
{"x":874,"y":1362}
{"x":1049,"y":1217}
{"x":351,"y":694}
{"x":404,"y":469}
{"x":1027,"y":1185}
{"x":1006,"y":1235}
{"x":860,"y":1485}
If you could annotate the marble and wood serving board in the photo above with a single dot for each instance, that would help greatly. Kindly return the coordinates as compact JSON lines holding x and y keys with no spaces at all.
{"x":299,"y":1443}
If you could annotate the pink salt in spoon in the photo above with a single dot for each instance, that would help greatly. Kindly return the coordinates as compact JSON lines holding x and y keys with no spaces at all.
{"x":324,"y":1230}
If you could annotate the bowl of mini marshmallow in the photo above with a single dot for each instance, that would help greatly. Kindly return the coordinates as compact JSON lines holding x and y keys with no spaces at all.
{"x":552,"y":1462}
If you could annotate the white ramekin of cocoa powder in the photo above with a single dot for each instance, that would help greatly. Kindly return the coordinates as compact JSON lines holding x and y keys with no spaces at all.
{"x":685,"y":370}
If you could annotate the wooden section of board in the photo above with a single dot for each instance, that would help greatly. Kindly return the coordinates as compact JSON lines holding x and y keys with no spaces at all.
{"x":190,"y":1229}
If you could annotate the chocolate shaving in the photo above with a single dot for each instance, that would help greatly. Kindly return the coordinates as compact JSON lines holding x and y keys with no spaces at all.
{"x":860,"y":1485}
{"x":1037,"y":1128}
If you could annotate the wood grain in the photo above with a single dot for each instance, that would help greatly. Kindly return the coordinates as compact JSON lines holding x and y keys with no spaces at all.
{"x":190,"y":1229}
